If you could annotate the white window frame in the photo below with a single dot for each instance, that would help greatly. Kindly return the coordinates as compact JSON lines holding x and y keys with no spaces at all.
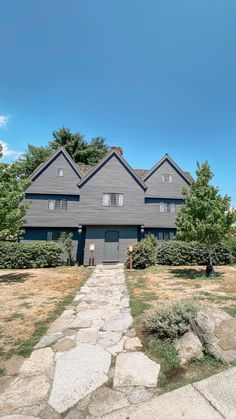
{"x":59,"y":171}
{"x":168,"y":207}
{"x":167,"y":178}
{"x":113,"y":199}
{"x":57,"y":205}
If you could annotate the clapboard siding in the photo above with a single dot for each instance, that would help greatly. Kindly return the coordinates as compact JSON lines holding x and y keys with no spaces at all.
{"x":96,"y":235}
{"x":48,"y":182}
{"x":155,"y":218}
{"x":157,"y":188}
{"x":38,"y":214}
{"x":111,"y":177}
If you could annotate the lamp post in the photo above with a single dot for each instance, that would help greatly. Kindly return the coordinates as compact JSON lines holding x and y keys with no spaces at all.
{"x":131,"y":256}
{"x":91,"y":257}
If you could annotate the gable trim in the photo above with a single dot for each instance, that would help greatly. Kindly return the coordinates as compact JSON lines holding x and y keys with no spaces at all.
{"x":166,"y":157}
{"x":104,"y":161}
{"x":47,"y":162}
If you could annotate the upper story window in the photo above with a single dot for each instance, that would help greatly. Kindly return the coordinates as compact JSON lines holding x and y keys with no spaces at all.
{"x":167,"y":207}
{"x":60,"y":172}
{"x":113,"y":200}
{"x":167,"y":178}
{"x":57,"y":205}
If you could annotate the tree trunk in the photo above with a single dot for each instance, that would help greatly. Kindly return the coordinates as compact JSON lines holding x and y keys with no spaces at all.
{"x":209,"y":268}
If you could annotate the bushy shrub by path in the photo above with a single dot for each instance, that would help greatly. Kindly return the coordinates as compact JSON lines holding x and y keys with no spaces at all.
{"x":31,"y":255}
{"x":168,"y":320}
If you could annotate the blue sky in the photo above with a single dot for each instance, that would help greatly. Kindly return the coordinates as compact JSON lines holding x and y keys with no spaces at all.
{"x":152,"y":76}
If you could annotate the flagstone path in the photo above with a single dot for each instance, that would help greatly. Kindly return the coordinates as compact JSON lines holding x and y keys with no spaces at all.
{"x":90,"y":361}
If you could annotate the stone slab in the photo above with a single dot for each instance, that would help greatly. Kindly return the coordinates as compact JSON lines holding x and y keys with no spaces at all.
{"x":24,"y":391}
{"x":48,"y":340}
{"x":78,"y":372}
{"x":184,"y":402}
{"x":135,"y":369}
{"x":120,"y":322}
{"x":105,"y":400}
{"x":220,"y":390}
{"x":39,"y":362}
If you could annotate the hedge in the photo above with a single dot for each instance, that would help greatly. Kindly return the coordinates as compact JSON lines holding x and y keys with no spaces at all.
{"x":31,"y":255}
{"x":148,"y":252}
{"x":176,"y":253}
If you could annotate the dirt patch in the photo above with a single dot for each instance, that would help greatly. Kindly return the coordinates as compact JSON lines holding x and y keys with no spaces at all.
{"x":27,"y":298}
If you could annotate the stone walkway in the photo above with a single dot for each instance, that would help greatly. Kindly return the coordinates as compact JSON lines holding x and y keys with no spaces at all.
{"x":89,"y":363}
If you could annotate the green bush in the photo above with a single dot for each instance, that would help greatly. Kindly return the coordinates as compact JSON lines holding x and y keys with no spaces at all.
{"x":176,"y":253}
{"x":144,"y":252}
{"x":168,"y":320}
{"x":31,"y":255}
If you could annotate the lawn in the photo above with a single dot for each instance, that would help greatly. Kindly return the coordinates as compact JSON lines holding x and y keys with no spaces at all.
{"x":30,"y":300}
{"x":170,"y":283}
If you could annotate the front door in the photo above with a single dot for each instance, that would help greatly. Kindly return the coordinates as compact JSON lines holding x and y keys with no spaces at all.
{"x":111,"y":246}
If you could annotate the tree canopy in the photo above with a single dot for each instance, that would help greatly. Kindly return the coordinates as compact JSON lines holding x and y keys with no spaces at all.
{"x":205,"y":216}
{"x":12,"y":209}
{"x":75,"y":144}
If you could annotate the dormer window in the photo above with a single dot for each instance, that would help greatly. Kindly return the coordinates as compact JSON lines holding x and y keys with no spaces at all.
{"x":60,"y":172}
{"x":113,"y":200}
{"x":167,"y":178}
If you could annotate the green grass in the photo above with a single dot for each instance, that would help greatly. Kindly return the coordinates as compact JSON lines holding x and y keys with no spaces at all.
{"x":230,"y":310}
{"x":15,"y":316}
{"x":215,"y":297}
{"x":2,"y":371}
{"x":109,"y":383}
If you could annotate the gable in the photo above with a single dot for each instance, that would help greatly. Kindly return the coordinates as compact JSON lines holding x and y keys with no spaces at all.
{"x":112,"y":167}
{"x":46,"y":180}
{"x":157,"y":188}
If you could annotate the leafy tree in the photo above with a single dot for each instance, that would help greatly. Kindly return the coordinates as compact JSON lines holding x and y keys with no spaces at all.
{"x":67,"y":245}
{"x":205,"y":216}
{"x":79,"y":149}
{"x":12,"y":210}
{"x":0,"y":150}
{"x":30,"y":160}
{"x":75,"y":144}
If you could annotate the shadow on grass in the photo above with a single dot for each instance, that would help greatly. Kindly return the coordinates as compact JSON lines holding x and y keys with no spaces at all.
{"x":14,"y":277}
{"x":193,"y":274}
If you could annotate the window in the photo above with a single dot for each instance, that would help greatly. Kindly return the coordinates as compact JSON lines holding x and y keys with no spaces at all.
{"x":57,"y":205}
{"x":53,"y":235}
{"x":167,"y":207}
{"x":60,"y":172}
{"x":113,"y":200}
{"x":49,"y":236}
{"x":167,"y":178}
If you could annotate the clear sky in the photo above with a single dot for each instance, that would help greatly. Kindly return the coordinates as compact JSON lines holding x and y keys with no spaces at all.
{"x":152,"y":76}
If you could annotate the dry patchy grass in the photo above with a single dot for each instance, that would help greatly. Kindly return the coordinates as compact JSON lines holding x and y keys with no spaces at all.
{"x":171,"y":283}
{"x":29,"y":301}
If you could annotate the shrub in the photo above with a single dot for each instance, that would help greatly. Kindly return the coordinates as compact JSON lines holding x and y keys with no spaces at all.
{"x":168,"y":320}
{"x":144,"y":252}
{"x":176,"y":253}
{"x":30,"y":255}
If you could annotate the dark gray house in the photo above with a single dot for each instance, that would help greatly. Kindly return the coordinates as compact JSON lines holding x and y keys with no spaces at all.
{"x":107,"y":207}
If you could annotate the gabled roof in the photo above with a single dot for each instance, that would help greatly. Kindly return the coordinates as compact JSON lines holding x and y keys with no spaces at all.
{"x":166,"y":157}
{"x":46,"y":163}
{"x":100,"y":164}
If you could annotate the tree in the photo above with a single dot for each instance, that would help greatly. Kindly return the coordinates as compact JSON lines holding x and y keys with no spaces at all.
{"x":75,"y":144}
{"x":79,"y":149}
{"x":205,"y":216}
{"x":30,"y":160}
{"x":0,"y":150}
{"x":66,"y":241}
{"x":12,"y":210}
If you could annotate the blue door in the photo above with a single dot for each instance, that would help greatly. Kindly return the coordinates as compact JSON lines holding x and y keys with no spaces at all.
{"x":111,"y":246}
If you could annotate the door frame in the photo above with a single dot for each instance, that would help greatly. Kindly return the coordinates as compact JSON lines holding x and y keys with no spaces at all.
{"x":118,"y":246}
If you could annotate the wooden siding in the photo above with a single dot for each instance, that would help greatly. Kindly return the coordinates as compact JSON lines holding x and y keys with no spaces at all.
{"x":38,"y":214}
{"x":48,"y":182}
{"x":155,"y":218}
{"x":96,"y":235}
{"x":111,"y":177}
{"x":157,"y":188}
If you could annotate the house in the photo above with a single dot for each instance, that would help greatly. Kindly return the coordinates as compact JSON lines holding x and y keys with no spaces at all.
{"x":107,"y":207}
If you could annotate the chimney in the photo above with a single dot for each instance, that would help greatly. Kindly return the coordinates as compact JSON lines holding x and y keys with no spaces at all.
{"x":118,"y":150}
